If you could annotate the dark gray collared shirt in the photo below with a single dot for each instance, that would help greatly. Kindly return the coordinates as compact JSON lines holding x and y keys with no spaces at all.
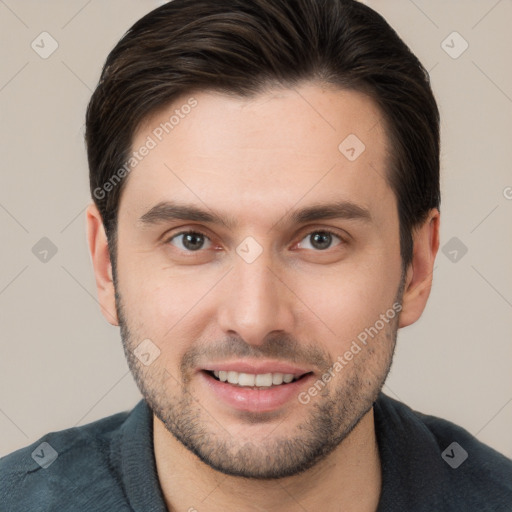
{"x":428,"y":464}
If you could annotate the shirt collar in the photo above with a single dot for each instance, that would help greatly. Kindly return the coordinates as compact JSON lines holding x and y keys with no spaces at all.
{"x":138,"y":467}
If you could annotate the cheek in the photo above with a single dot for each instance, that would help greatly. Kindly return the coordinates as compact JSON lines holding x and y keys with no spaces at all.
{"x":162,"y":304}
{"x":347,"y":299}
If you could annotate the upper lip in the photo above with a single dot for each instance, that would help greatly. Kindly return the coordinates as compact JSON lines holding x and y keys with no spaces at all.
{"x":256,"y":367}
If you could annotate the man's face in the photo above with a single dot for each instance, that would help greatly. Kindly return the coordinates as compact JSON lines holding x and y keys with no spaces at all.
{"x":270,"y":292}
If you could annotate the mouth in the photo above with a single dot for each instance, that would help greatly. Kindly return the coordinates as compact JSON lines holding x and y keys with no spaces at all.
{"x":261,"y":391}
{"x":255,"y":380}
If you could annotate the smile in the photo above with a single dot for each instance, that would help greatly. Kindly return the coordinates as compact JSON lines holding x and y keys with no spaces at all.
{"x":255,"y":380}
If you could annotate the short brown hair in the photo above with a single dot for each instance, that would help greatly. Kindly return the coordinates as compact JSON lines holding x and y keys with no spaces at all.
{"x":244,"y":47}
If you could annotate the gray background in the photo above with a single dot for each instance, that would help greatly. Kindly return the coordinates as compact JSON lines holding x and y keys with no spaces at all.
{"x":62,"y":364}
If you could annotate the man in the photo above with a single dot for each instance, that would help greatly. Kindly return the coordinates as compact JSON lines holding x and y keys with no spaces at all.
{"x":265,"y":178}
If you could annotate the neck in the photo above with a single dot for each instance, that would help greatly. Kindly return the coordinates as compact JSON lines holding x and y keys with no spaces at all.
{"x":348,"y":479}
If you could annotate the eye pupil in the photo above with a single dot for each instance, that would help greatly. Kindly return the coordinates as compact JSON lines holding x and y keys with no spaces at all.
{"x":193,"y":241}
{"x":321,"y":240}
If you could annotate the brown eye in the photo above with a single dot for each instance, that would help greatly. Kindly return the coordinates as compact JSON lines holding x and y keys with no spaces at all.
{"x":320,"y":240}
{"x":191,"y":241}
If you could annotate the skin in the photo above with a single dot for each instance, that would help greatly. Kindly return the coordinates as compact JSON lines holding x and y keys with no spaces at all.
{"x":256,"y":160}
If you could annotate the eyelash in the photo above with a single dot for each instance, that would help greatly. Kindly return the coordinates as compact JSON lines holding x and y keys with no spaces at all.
{"x":197,"y":232}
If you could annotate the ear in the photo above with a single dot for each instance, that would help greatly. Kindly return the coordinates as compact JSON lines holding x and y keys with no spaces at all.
{"x":418,"y":281}
{"x":98,"y":247}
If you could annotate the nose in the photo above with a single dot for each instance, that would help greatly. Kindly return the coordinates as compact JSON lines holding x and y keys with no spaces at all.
{"x":255,"y":301}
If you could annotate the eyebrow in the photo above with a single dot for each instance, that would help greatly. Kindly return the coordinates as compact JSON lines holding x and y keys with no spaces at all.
{"x":167,"y":211}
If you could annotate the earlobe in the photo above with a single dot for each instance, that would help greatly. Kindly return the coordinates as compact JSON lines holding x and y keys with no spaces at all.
{"x":420,"y":272}
{"x":98,"y":247}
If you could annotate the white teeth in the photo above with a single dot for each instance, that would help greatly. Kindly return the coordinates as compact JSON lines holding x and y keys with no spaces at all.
{"x":233,"y":377}
{"x":246,"y":379}
{"x":263,"y":379}
{"x":251,"y":380}
{"x":277,"y":378}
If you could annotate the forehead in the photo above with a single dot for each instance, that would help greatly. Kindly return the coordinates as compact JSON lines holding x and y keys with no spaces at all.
{"x":263,"y":154}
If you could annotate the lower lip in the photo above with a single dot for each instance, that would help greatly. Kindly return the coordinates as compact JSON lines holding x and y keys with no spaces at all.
{"x":255,"y":400}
